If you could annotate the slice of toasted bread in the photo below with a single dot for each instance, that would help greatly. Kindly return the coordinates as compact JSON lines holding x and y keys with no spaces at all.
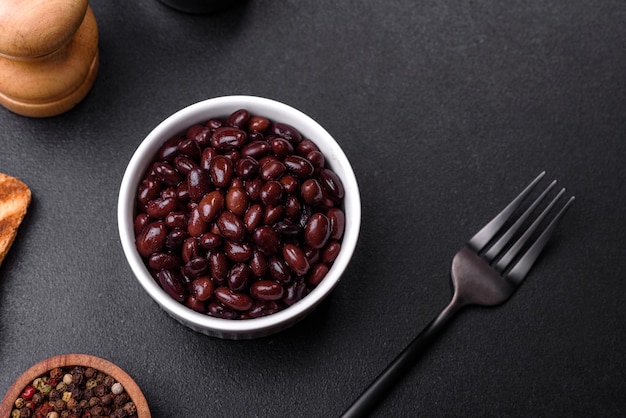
{"x":14,"y":201}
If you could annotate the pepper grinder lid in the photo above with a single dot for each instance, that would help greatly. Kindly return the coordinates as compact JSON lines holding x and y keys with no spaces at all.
{"x":48,"y":55}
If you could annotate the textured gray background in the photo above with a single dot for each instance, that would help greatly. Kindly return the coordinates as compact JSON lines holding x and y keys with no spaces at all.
{"x":445,"y":108}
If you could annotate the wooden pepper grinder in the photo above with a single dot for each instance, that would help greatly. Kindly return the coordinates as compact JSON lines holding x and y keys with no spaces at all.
{"x":48,"y":55}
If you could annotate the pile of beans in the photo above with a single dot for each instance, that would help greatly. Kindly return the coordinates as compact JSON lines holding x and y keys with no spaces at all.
{"x":74,"y":392}
{"x":239,"y":217}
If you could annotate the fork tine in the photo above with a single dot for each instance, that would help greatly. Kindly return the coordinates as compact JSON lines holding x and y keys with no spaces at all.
{"x":486,"y":234}
{"x":496,"y":248}
{"x":515,"y":248}
{"x":520,"y":270}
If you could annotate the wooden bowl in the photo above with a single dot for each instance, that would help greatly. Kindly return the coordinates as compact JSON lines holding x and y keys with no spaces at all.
{"x":70,"y":360}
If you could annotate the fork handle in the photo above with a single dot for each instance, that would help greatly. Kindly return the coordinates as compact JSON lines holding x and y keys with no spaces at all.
{"x":379,"y":388}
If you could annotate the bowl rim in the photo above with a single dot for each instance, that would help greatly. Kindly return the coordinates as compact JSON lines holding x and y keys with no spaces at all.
{"x":221,"y":107}
{"x":70,"y":360}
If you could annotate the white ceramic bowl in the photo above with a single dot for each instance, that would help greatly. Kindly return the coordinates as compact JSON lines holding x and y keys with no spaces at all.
{"x":222,"y":107}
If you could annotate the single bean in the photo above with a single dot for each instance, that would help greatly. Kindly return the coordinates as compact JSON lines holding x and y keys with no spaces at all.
{"x":231,"y":226}
{"x":192,"y":302}
{"x":299,"y":166}
{"x":159,"y":207}
{"x":278,"y":270}
{"x":330,"y":252}
{"x":317,"y":273}
{"x":238,"y":119}
{"x":210,"y":241}
{"x":237,"y":252}
{"x":287,"y":228}
{"x":318,"y":161}
{"x":207,"y":157}
{"x":195,"y":267}
{"x":332,"y":183}
{"x":200,"y":134}
{"x":148,"y":190}
{"x":258,"y":124}
{"x":258,"y":263}
{"x":337,"y":222}
{"x":190,"y":148}
{"x":218,"y":266}
{"x":272,"y":169}
{"x":211,"y":205}
{"x":295,"y":259}
{"x":163,"y":260}
{"x":294,"y":291}
{"x":263,"y":308}
{"x":305,"y":147}
{"x":190,"y":249}
{"x":234,"y":300}
{"x":222,"y":170}
{"x":214,"y":123}
{"x":237,"y":201}
{"x":172,"y":282}
{"x":182,"y":193}
{"x":239,"y":276}
{"x":311,"y":192}
{"x":266,"y":290}
{"x":281,"y":147}
{"x":256,"y":149}
{"x":253,"y":188}
{"x":272,"y":214}
{"x":311,"y":254}
{"x":290,"y":183}
{"x":253,"y":217}
{"x":141,"y":220}
{"x":317,"y":230}
{"x":218,"y":310}
{"x":267,"y":240}
{"x":196,"y":226}
{"x":184,"y":164}
{"x":228,"y":138}
{"x":167,"y":173}
{"x":286,"y":131}
{"x":169,"y":149}
{"x":247,"y":168}
{"x":175,"y":239}
{"x":176,"y":220}
{"x":152,"y":238}
{"x":271,"y":193}
{"x":202,"y":288}
{"x":292,"y":207}
{"x":198,"y":183}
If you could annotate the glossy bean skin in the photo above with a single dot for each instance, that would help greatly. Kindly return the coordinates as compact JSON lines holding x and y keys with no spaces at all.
{"x":266,"y":290}
{"x":218,"y":310}
{"x":317,"y":230}
{"x":272,"y":170}
{"x":196,"y":226}
{"x":172,"y":283}
{"x":184,"y":164}
{"x":164,"y":260}
{"x":258,"y":263}
{"x":305,"y":147}
{"x":311,"y":191}
{"x":271,"y":193}
{"x":258,"y":124}
{"x":299,"y":166}
{"x":332,"y":183}
{"x":210,"y":241}
{"x":198,"y":184}
{"x":169,"y":149}
{"x":218,"y":266}
{"x":267,"y":240}
{"x":238,"y":276}
{"x":152,"y":238}
{"x":253,"y":217}
{"x":278,"y":270}
{"x":189,"y":148}
{"x":202,"y":288}
{"x":231,"y":227}
{"x":330,"y":252}
{"x":294,"y":291}
{"x":281,"y":147}
{"x":247,"y":168}
{"x":238,"y":119}
{"x":200,"y":134}
{"x":167,"y":173}
{"x":221,"y":170}
{"x":148,"y":190}
{"x":175,"y":220}
{"x":141,"y":220}
{"x":237,"y":252}
{"x":286,"y":131}
{"x":263,"y":308}
{"x":256,"y":149}
{"x":317,"y":274}
{"x":232,"y":299}
{"x":228,"y":138}
{"x":337,"y":222}
{"x":175,"y":239}
{"x":211,"y":205}
{"x":295,"y":259}
{"x":159,"y":208}
{"x":237,"y":201}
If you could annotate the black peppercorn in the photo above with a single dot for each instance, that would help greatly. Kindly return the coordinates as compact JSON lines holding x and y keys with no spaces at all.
{"x":99,"y":391}
{"x":130,"y":408}
{"x":108,"y":381}
{"x":90,"y":372}
{"x":120,"y":400}
{"x":38,"y":398}
{"x":55,"y":395}
{"x":107,"y":399}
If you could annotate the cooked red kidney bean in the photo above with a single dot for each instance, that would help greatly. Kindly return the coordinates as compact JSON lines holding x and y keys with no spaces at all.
{"x":330,"y":252}
{"x":271,"y":193}
{"x":221,"y":170}
{"x":152,"y":238}
{"x":238,"y":276}
{"x":218,"y":266}
{"x":231,"y":226}
{"x":286,"y":131}
{"x":234,"y":300}
{"x":332,"y":183}
{"x":239,"y":217}
{"x":238,"y":118}
{"x":228,"y":138}
{"x":267,"y":240}
{"x":211,"y":205}
{"x":238,"y":252}
{"x":311,"y":191}
{"x":317,"y":230}
{"x":316,"y":274}
{"x":198,"y":183}
{"x":266,"y":290}
{"x":299,"y":166}
{"x":295,"y":259}
{"x":237,"y":201}
{"x":172,"y":282}
{"x":202,"y":288}
{"x":258,"y":123}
